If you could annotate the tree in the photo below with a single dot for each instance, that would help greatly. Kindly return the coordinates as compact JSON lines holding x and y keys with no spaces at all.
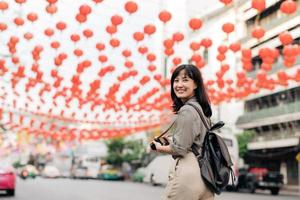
{"x":243,"y":139}
{"x":120,"y":151}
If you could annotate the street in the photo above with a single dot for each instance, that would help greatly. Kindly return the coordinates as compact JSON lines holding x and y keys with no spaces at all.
{"x":67,"y":189}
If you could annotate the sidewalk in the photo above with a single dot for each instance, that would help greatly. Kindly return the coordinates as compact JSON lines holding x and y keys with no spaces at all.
{"x":290,"y":190}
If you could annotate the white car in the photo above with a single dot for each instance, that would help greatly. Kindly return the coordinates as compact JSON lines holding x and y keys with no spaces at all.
{"x":50,"y":172}
{"x":157,"y":171}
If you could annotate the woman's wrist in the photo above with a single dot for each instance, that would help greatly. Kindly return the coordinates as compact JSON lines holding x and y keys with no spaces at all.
{"x":164,"y":149}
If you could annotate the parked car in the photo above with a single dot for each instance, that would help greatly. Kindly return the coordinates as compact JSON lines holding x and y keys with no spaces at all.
{"x":7,"y":178}
{"x":50,"y":171}
{"x":138,"y":175}
{"x":260,"y":178}
{"x":157,"y":171}
{"x":79,"y":172}
{"x":28,"y":171}
{"x":109,"y":172}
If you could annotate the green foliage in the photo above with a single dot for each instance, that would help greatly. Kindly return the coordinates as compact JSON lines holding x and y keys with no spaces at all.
{"x":120,"y":151}
{"x":17,"y":164}
{"x":243,"y":140}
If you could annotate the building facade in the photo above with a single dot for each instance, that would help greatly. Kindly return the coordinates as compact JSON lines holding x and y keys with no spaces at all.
{"x":273,"y":115}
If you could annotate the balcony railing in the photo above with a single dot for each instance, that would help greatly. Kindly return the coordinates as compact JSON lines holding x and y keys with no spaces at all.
{"x":276,"y":67}
{"x":269,"y":112}
{"x":272,"y":24}
{"x":276,"y":135}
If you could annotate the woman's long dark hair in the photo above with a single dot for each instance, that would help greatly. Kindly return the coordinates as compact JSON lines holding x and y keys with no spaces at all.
{"x":200,"y":92}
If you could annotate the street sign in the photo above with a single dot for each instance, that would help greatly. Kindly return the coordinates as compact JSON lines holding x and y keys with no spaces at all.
{"x":298,"y":157}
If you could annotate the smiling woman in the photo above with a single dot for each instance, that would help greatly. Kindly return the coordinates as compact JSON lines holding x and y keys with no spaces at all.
{"x":185,"y":180}
{"x":184,"y":86}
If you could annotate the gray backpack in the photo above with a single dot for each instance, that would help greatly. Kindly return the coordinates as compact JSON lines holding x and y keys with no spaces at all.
{"x":215,"y":162}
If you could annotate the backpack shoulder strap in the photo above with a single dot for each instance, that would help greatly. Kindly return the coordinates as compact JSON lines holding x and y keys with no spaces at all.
{"x":201,"y":115}
{"x":166,"y":131}
{"x":195,"y":151}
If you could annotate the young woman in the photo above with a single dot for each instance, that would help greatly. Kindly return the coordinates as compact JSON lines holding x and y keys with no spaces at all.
{"x":185,"y":181}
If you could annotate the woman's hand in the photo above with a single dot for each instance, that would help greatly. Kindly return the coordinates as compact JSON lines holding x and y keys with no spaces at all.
{"x":155,"y":146}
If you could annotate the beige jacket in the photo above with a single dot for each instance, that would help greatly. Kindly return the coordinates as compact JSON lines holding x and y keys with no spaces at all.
{"x":187,"y":129}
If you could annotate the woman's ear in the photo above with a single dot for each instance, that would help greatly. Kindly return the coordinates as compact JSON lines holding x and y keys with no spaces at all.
{"x":195,"y":86}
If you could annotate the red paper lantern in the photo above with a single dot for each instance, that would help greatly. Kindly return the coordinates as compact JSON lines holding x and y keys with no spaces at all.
{"x":200,"y":64}
{"x":3,"y":26}
{"x":196,"y":58}
{"x":259,"y":5}
{"x":3,"y":6}
{"x":20,"y":1}
{"x":143,"y":50}
{"x":151,"y":68}
{"x":266,"y":67}
{"x":228,"y":27}
{"x":78,"y":52}
{"x":32,"y":17}
{"x":176,"y":60}
{"x":168,"y":43}
{"x":62,"y":56}
{"x":206,"y":42}
{"x":49,"y":32}
{"x":85,"y":9}
{"x":169,"y":52}
{"x":149,"y":29}
{"x":226,"y":2}
{"x":195,"y":46}
{"x":286,"y":38}
{"x":131,"y":7}
{"x":177,"y":37}
{"x":15,"y":60}
{"x":51,"y":9}
{"x":246,"y":53}
{"x":235,"y":47}
{"x":97,"y":1}
{"x":126,"y":53}
{"x":18,"y":21}
{"x":55,"y":45}
{"x":52,"y":1}
{"x":144,"y":80}
{"x":138,"y":36}
{"x":221,"y":57}
{"x":258,"y":32}
{"x":100,"y":46}
{"x":81,"y":18}
{"x":195,"y":23}
{"x":75,"y":38}
{"x":111,"y":29}
{"x":222,"y":49}
{"x":128,"y":64}
{"x":102,"y":58}
{"x":165,"y":16}
{"x":86,"y":63}
{"x":116,"y":20}
{"x":288,"y":6}
{"x":28,"y":36}
{"x":88,"y":33}
{"x":61,"y":26}
{"x":114,"y":42}
{"x":151,"y":57}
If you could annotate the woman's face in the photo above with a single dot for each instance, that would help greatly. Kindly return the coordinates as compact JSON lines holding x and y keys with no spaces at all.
{"x":184,"y":86}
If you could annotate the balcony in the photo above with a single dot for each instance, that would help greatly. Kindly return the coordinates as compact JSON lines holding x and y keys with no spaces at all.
{"x":268,"y":116}
{"x":273,"y":142}
{"x":275,"y":68}
{"x":270,"y":25}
